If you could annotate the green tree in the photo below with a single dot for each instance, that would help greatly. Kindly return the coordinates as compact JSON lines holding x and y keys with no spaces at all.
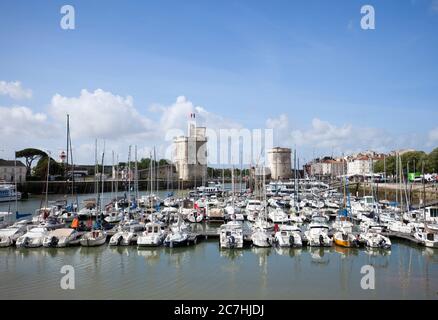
{"x":432,"y":161}
{"x":30,"y":155}
{"x":40,"y":169}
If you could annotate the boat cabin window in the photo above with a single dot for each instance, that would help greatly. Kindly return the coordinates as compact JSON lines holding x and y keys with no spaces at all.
{"x":155,"y":229}
{"x":433,"y":212}
{"x":430,"y":237}
{"x":149,"y":229}
{"x":283,"y":233}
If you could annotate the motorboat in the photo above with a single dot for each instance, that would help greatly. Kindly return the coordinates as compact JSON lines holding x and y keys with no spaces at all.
{"x":375,"y":240}
{"x":427,"y":236}
{"x":278,"y":215}
{"x":170,"y":202}
{"x":8,"y":192}
{"x":345,"y":238}
{"x":153,"y":235}
{"x":253,"y":205}
{"x":8,"y":236}
{"x":231,"y":235}
{"x":261,"y":238}
{"x":127,"y":233}
{"x":114,"y":217}
{"x":400,"y":227}
{"x":176,"y":238}
{"x":60,"y":238}
{"x":32,"y":238}
{"x":317,"y":234}
{"x":93,"y":238}
{"x":288,"y":236}
{"x":52,"y":223}
{"x":195,"y":216}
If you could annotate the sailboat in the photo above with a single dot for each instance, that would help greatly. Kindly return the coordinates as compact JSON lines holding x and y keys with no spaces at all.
{"x":261,"y":235}
{"x":231,"y":233}
{"x":97,"y":236}
{"x":344,"y":227}
{"x":427,"y":235}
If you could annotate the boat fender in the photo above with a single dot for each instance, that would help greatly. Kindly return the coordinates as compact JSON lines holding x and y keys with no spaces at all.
{"x":321,"y":239}
{"x":54,"y":241}
{"x":232,"y":240}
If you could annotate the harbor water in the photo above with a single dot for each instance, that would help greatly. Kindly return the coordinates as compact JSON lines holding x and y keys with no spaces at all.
{"x":203,"y":271}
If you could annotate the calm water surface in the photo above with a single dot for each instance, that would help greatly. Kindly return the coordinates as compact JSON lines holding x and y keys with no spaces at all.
{"x":205,"y":272}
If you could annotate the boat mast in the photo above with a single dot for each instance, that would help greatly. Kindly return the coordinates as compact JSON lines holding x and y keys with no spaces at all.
{"x":101,"y":176}
{"x":155,"y":172}
{"x":47,"y":181}
{"x":150,"y":175}
{"x":112,"y":177}
{"x":66,"y":164}
{"x":96,"y":170}
{"x":15,"y":183}
{"x":72,"y":167}
{"x":129,"y":179}
{"x":136,"y":175}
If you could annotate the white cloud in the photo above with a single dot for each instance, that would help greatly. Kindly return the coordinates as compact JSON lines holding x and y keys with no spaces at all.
{"x":322,"y":135}
{"x":99,"y":114}
{"x":433,"y":136}
{"x":327,"y":137}
{"x":176,"y":115}
{"x":19,"y":121}
{"x":14,"y":90}
{"x":20,"y":128}
{"x":280,"y":123}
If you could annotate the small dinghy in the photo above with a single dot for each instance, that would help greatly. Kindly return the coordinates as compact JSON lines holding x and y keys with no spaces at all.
{"x":60,"y":238}
{"x":93,"y":238}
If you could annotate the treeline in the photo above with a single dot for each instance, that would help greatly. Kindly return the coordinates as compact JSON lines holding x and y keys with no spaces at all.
{"x":414,"y":161}
{"x":219,"y":173}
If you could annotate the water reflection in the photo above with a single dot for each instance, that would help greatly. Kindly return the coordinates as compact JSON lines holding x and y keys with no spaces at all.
{"x":231,"y":254}
{"x":151,"y":255}
{"x":320,"y":255}
{"x":345,"y":252}
{"x":121,"y":250}
{"x":207,"y":272}
{"x":178,"y":256}
{"x":375,"y":252}
{"x":287,"y":251}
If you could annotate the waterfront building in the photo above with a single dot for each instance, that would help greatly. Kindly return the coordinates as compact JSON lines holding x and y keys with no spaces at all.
{"x":11,"y":168}
{"x":190,"y":154}
{"x":280,"y":163}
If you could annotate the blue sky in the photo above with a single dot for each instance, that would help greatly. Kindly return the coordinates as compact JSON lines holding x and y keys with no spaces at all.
{"x":247,"y":61}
